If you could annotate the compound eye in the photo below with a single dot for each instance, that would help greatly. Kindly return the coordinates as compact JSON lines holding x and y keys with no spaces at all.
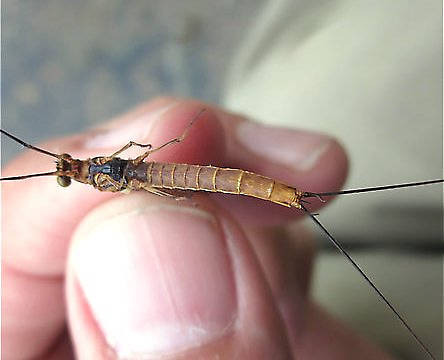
{"x":64,"y":180}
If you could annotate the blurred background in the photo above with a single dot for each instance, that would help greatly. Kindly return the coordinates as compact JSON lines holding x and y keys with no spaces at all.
{"x":368,"y":72}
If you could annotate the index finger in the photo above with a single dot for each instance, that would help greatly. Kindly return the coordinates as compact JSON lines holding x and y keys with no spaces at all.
{"x":305,"y":160}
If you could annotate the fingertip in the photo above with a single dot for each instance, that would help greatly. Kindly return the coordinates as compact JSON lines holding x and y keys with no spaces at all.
{"x":302,"y":158}
{"x":330,"y":171}
{"x":308,"y":161}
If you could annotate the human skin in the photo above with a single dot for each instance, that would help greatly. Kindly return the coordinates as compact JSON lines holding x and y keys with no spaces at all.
{"x":95,"y":275}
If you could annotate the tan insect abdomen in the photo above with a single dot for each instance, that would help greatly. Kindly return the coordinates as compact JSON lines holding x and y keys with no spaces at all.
{"x":223,"y":180}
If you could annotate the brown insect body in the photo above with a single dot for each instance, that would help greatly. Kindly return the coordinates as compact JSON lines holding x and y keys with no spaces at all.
{"x":115,"y":174}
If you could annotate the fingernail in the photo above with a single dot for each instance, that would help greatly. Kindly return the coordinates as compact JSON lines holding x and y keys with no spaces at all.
{"x":300,"y":150}
{"x":137,"y":129}
{"x":158,"y":280}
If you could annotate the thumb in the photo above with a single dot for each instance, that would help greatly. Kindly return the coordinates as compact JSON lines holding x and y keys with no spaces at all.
{"x":153,"y":277}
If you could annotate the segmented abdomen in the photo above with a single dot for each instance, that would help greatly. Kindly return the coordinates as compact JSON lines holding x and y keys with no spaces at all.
{"x":213,"y":179}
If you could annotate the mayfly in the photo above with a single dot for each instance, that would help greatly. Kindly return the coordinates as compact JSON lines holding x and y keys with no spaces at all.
{"x":114,"y":174}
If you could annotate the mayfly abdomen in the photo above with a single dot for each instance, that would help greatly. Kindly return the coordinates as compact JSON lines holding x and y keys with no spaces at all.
{"x":221,"y":180}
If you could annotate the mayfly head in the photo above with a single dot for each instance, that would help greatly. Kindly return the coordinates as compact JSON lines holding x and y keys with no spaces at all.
{"x":64,"y":167}
{"x":67,"y":168}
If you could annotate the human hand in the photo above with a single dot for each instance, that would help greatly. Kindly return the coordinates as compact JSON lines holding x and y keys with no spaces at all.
{"x":149,"y":277}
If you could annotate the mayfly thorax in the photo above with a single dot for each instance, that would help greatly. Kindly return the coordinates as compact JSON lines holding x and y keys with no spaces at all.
{"x":114,"y":174}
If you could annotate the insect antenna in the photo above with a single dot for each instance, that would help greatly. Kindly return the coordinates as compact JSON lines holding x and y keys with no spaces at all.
{"x":370,"y":189}
{"x":21,"y":177}
{"x":368,"y":280}
{"x":32,"y":147}
{"x":29,"y":146}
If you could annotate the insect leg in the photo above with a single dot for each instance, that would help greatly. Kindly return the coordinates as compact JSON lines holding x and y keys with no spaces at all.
{"x":166,"y":193}
{"x":104,"y":181}
{"x":127,"y":146}
{"x":178,"y":139}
